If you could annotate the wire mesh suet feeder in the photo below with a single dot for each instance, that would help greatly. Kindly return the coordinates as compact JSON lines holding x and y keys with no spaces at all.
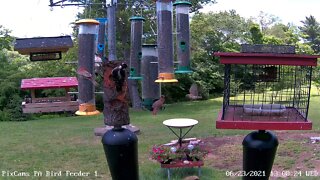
{"x":149,"y":72}
{"x":266,"y":91}
{"x":86,"y":75}
{"x":135,"y":48}
{"x":165,"y":41}
{"x":183,"y":36}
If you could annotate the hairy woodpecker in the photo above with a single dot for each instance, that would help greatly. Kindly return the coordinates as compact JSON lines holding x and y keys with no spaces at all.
{"x":119,"y":76}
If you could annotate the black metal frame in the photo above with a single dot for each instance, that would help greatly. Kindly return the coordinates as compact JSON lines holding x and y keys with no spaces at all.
{"x":252,"y":84}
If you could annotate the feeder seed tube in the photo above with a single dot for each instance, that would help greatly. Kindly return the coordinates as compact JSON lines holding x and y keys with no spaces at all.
{"x":165,"y":41}
{"x":183,"y":36}
{"x":135,"y":48}
{"x":149,"y":72}
{"x":86,"y":77}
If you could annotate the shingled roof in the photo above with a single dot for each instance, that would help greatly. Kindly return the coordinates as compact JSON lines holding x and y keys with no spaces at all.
{"x":43,"y":44}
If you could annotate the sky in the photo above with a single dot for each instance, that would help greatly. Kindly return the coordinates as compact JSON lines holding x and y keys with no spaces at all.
{"x":34,"y":18}
{"x":289,"y":11}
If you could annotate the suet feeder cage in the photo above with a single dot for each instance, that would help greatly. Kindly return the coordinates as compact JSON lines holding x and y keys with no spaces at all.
{"x":165,"y":42}
{"x":135,"y":48}
{"x":183,"y":36}
{"x":43,"y":48}
{"x":266,"y":91}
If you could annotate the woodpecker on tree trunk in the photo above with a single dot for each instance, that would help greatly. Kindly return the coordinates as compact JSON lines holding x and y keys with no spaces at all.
{"x":119,"y":76}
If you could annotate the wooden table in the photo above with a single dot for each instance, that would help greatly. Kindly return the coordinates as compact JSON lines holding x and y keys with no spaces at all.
{"x":49,"y":104}
{"x":180,"y":164}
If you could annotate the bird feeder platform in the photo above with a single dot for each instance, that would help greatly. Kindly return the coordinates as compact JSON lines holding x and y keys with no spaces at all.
{"x":266,"y":91}
{"x":43,"y":48}
{"x":49,"y":104}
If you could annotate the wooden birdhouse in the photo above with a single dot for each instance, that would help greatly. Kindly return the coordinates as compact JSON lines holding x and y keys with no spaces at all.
{"x":43,"y":48}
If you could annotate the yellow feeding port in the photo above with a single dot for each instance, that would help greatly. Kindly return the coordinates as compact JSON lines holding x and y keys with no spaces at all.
{"x":166,"y":78}
{"x":87,"y":109}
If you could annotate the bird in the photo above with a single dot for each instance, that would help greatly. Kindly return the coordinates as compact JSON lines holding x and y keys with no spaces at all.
{"x":193,"y":92}
{"x":84,"y":73}
{"x":119,"y":76}
{"x":157,"y":105}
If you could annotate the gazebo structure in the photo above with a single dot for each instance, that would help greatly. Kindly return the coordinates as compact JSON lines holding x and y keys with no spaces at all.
{"x":49,"y":104}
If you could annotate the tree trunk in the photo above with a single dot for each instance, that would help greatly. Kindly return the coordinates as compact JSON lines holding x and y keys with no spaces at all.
{"x":116,"y":110}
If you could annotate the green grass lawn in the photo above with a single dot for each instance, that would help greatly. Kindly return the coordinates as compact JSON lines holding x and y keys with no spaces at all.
{"x":57,"y":144}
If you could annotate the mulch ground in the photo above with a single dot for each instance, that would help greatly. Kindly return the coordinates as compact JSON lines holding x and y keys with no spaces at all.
{"x":296,"y":153}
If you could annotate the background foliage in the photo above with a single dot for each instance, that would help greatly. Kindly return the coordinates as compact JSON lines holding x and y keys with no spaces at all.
{"x":210,"y":32}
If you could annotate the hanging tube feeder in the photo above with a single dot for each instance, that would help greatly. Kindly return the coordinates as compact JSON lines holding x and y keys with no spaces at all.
{"x":183,"y":36}
{"x":135,"y":49}
{"x":111,"y":14}
{"x":165,"y":42}
{"x":149,"y":72}
{"x":86,"y":75}
{"x":101,"y":44}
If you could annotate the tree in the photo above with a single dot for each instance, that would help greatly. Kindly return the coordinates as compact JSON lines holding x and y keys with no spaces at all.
{"x":213,"y":32}
{"x":266,"y":20}
{"x":311,"y":32}
{"x":256,"y":35}
{"x":5,"y":38}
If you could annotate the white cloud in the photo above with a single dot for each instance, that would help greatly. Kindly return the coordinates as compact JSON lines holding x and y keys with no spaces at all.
{"x":287,"y":10}
{"x":34,"y":18}
{"x":30,"y":18}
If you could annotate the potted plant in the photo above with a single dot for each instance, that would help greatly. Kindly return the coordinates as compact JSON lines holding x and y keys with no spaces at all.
{"x":173,"y":154}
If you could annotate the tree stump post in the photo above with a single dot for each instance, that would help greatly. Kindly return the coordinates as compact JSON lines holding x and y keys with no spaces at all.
{"x":116,"y":109}
{"x":120,"y":144}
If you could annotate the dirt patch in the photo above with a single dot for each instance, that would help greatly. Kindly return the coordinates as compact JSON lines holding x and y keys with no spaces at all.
{"x":295,"y":153}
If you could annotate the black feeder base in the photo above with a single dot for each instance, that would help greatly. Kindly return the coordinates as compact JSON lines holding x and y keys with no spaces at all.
{"x":259,"y":150}
{"x":121,"y":150}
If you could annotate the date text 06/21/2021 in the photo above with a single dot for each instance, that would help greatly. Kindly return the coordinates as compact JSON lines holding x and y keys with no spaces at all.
{"x":274,"y":173}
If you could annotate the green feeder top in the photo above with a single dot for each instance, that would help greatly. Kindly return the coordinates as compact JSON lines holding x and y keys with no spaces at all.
{"x":137,"y":18}
{"x":182,"y":3}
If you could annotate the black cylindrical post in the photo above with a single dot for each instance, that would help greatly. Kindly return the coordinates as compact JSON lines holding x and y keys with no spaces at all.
{"x":121,"y":150}
{"x":259,"y":150}
{"x":149,"y":72}
{"x":101,"y":37}
{"x":86,"y":75}
{"x":165,"y":41}
{"x":120,"y":145}
{"x":111,"y":14}
{"x":183,"y":36}
{"x":135,"y":47}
